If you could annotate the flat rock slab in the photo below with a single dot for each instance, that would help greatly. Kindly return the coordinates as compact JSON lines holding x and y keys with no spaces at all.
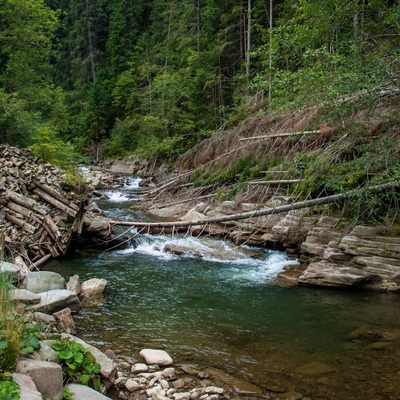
{"x":43,"y":281}
{"x":159,"y":357}
{"x":28,"y":390}
{"x":47,"y":376}
{"x":81,"y":392}
{"x":315,"y":368}
{"x":25,"y":296}
{"x":56,"y":300}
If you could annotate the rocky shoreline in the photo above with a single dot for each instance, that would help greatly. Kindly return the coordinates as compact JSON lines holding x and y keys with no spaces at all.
{"x":332,"y":251}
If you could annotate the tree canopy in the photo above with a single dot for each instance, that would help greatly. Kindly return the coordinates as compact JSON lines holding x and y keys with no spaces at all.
{"x":155,"y":77}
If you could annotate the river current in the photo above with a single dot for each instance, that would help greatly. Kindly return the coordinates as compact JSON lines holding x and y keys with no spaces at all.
{"x":222,"y":310}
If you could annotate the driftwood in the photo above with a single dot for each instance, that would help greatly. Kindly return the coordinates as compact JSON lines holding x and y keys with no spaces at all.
{"x":277,"y":135}
{"x":37,"y":217}
{"x":276,"y":182}
{"x":257,"y":213}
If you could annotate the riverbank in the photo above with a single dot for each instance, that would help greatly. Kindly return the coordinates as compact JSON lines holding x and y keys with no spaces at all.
{"x":333,"y":251}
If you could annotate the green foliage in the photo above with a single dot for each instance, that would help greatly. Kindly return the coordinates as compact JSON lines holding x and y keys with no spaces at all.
{"x":67,"y":394}
{"x":16,"y":335}
{"x":78,"y":363}
{"x":9,"y":390}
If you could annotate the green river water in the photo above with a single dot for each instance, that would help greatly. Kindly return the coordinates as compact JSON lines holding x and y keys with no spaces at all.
{"x":211,"y":312}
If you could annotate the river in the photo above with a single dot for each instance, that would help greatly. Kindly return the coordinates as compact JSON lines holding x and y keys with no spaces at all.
{"x":224,"y":311}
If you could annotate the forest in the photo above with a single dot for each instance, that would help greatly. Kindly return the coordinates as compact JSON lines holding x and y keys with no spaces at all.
{"x":83,"y":80}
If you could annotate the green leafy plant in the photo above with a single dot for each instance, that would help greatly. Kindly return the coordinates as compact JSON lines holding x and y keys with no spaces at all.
{"x":9,"y":390}
{"x":67,"y":394}
{"x":78,"y":363}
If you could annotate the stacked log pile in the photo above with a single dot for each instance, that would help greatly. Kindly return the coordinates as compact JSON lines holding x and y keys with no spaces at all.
{"x":38,"y":217}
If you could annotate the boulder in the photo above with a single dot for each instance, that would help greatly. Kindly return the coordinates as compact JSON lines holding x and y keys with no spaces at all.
{"x":28,"y":390}
{"x":65,"y":321}
{"x":74,"y":284}
{"x":327,"y":274}
{"x":10,"y":269}
{"x":159,"y":357}
{"x":56,"y":300}
{"x":43,"y":281}
{"x":82,"y":392}
{"x":108,"y":368}
{"x":93,"y":288}
{"x":25,"y":296}
{"x":46,"y":353}
{"x":47,"y":376}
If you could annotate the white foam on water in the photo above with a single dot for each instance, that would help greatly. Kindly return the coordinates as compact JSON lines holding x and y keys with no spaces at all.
{"x":116,"y":196}
{"x":238,"y":264}
{"x":132,"y":183}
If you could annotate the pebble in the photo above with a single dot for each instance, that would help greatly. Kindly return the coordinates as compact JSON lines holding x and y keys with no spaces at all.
{"x":139,"y":367}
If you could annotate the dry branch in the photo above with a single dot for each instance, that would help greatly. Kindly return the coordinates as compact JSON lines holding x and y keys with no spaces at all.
{"x":276,"y":182}
{"x":277,"y":135}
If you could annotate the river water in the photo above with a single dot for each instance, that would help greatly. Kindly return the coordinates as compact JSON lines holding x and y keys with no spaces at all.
{"x":223,"y":310}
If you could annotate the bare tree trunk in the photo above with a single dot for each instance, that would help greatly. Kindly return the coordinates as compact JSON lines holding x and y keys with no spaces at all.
{"x":91,"y":52}
{"x":258,"y":213}
{"x":248,"y":39}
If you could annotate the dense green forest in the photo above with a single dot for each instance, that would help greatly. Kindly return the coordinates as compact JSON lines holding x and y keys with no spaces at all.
{"x":104,"y":78}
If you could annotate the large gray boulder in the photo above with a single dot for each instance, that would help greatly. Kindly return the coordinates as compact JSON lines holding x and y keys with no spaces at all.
{"x":81,"y":392}
{"x":43,"y":281}
{"x":56,"y":300}
{"x":47,"y":377}
{"x":108,"y":368}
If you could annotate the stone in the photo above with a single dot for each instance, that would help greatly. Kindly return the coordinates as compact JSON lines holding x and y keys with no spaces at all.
{"x":314,"y":368}
{"x":168,"y":373}
{"x":65,"y":321}
{"x":43,"y":281}
{"x":159,"y":357}
{"x":192,"y":216}
{"x":182,"y":396}
{"x":82,"y":392}
{"x":74,"y":284}
{"x":28,"y":390}
{"x":47,"y":376}
{"x":139,"y":367}
{"x":188,"y":369}
{"x":46,"y":353}
{"x":328,"y":274}
{"x":131,"y":385}
{"x":93,"y":288}
{"x":213,"y":390}
{"x":10,"y":269}
{"x":24,"y":296}
{"x":178,"y":384}
{"x":108,"y":369}
{"x":40,"y":317}
{"x":56,"y":300}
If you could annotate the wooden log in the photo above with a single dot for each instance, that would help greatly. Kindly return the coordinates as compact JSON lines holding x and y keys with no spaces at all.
{"x":25,"y":201}
{"x":53,"y":193}
{"x":24,"y":211}
{"x":21,"y":223}
{"x":276,"y":182}
{"x":41,"y":261}
{"x":277,"y":135}
{"x":53,"y":201}
{"x":257,"y":213}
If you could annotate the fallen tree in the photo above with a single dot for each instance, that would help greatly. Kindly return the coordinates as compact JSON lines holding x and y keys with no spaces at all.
{"x":257,"y":213}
